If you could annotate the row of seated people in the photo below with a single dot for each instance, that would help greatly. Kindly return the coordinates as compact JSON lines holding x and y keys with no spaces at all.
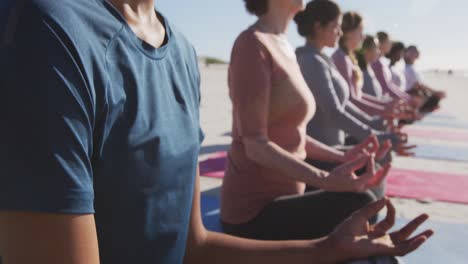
{"x":313,"y":135}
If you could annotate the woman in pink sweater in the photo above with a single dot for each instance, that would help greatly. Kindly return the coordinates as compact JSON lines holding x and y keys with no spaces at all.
{"x":266,"y":175}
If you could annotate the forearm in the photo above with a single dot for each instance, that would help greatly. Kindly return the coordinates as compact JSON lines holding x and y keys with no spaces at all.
{"x":359,"y":114}
{"x":316,"y":150}
{"x":373,"y":123}
{"x":368,"y":107}
{"x":270,"y":155}
{"x":221,"y":248}
{"x":375,"y":100}
{"x":395,"y":93}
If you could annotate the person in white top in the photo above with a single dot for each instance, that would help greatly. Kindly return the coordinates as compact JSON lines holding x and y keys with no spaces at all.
{"x":414,"y":85}
{"x":411,"y":75}
{"x":395,"y":55}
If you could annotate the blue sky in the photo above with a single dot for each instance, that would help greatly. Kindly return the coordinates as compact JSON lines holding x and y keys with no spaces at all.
{"x":438,"y":27}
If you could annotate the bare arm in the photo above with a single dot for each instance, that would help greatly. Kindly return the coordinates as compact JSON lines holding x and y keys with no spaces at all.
{"x":369,"y":107}
{"x":209,"y":247}
{"x":268,"y":154}
{"x":387,"y":85}
{"x":250,"y":94}
{"x":27,"y":237}
{"x":318,"y":151}
{"x":354,"y":239}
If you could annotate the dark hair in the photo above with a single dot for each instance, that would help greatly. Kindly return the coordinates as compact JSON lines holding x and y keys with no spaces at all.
{"x":412,"y":47}
{"x":396,"y":47}
{"x":368,"y":43}
{"x":322,"y":11}
{"x":256,"y":7}
{"x":351,"y":22}
{"x":382,"y":36}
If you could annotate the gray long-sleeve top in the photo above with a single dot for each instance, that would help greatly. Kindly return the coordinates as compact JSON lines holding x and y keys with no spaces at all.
{"x":371,"y":84}
{"x":332,"y":119}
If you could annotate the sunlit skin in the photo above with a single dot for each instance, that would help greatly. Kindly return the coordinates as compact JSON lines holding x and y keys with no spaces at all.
{"x":353,"y":39}
{"x":385,"y":46}
{"x":372,"y":54}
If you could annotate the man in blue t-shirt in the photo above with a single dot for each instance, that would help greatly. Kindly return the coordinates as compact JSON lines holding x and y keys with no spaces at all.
{"x":99,"y":144}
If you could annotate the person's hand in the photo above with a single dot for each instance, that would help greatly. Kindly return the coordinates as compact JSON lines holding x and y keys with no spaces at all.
{"x":368,"y":146}
{"x":440,"y":94}
{"x":394,"y":109}
{"x":405,"y":150}
{"x":343,"y":178}
{"x":402,"y":110}
{"x":416,"y":101}
{"x":383,"y":150}
{"x":355,"y":238}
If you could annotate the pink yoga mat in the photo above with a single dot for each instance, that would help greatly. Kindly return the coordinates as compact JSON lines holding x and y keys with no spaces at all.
{"x":446,"y":187}
{"x":214,"y":166}
{"x":415,"y":184}
{"x":442,"y":134}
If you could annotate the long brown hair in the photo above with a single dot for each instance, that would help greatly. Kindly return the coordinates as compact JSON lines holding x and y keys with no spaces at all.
{"x":370,"y":42}
{"x":351,"y":21}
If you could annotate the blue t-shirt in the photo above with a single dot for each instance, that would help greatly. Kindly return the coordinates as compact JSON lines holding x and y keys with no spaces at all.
{"x":95,"y":120}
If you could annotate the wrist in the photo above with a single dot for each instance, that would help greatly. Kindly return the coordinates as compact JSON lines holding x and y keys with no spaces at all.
{"x":328,"y":251}
{"x":321,"y":179}
{"x":340,"y":157}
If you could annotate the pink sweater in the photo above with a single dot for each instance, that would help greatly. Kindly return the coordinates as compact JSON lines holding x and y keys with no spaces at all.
{"x":384,"y":76}
{"x":263,"y":73}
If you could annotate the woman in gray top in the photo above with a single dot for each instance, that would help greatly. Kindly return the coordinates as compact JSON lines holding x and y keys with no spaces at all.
{"x":369,"y":54}
{"x":335,"y":115}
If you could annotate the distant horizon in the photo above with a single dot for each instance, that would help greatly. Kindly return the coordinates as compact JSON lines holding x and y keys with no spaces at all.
{"x":435,"y":26}
{"x":463,"y":71}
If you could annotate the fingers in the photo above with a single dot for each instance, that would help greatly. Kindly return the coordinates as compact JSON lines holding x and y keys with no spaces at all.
{"x":370,"y":144}
{"x":383,"y":151}
{"x":373,"y":144}
{"x":403,"y":150}
{"x":372,"y":209}
{"x":406,"y":231}
{"x":411,"y":245}
{"x":378,"y":178}
{"x":362,"y":182}
{"x":386,"y":224}
{"x":357,"y":163}
{"x":371,"y":166}
{"x":403,"y":137}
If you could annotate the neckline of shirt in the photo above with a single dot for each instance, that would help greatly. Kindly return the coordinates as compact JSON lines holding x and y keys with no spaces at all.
{"x":144,"y":47}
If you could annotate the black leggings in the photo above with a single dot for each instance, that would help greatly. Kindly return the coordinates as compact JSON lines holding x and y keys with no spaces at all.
{"x":308,"y":216}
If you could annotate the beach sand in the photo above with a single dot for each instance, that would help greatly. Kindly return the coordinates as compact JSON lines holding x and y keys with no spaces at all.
{"x":216,"y":122}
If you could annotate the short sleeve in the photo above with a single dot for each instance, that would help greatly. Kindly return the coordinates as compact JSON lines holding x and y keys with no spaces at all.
{"x":47,"y":134}
{"x":201,"y":133}
{"x":250,"y":73}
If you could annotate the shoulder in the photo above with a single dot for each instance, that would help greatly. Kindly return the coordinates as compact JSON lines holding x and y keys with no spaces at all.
{"x":378,"y":65}
{"x":338,"y":55}
{"x":82,"y":22}
{"x":310,"y":58}
{"x":183,"y":46}
{"x":250,"y":49}
{"x":409,"y":69}
{"x":251,"y":40}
